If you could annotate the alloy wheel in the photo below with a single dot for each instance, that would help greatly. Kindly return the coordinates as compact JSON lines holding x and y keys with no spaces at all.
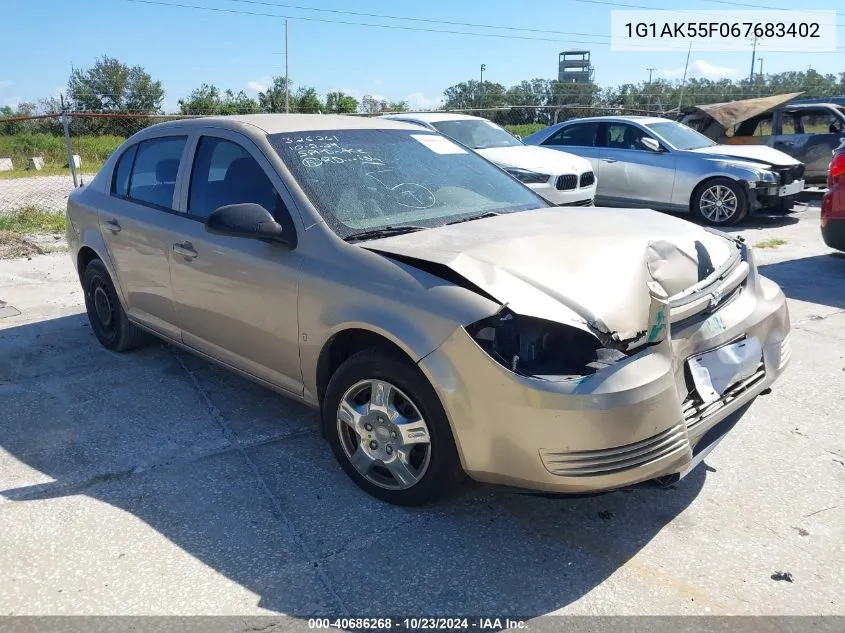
{"x":383,"y":434}
{"x":718,"y":204}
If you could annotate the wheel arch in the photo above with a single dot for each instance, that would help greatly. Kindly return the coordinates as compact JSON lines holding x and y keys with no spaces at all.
{"x":346,"y":342}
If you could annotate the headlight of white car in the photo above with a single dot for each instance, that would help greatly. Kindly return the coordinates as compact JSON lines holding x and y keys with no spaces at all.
{"x":527,"y":176}
{"x":764,"y":175}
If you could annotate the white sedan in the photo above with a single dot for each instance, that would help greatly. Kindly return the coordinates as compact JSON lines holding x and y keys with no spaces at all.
{"x":561,"y":178}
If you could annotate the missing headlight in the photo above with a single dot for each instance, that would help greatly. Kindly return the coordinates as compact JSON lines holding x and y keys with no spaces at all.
{"x":541,"y":349}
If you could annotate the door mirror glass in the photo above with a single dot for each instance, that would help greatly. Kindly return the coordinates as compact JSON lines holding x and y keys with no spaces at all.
{"x":650,"y":144}
{"x":248,"y":220}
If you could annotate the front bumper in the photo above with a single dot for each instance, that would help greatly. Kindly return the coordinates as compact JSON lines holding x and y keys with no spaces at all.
{"x":625,"y":424}
{"x":566,"y":197}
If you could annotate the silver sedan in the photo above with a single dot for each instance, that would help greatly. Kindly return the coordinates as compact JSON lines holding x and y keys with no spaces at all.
{"x":664,"y":165}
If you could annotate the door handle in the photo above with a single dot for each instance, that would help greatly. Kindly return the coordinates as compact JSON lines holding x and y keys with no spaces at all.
{"x":114,"y":226}
{"x":186,"y":250}
{"x":609,"y":160}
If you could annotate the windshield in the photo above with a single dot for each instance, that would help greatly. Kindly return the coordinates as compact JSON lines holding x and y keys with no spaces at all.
{"x":680,"y":136}
{"x":477,"y":134}
{"x":361,"y":180}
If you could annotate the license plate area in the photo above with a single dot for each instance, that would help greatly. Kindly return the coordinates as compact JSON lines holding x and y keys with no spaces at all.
{"x":714,"y":371}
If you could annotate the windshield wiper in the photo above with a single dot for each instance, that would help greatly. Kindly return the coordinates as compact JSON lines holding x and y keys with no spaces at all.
{"x":480,"y":216}
{"x":385,"y":231}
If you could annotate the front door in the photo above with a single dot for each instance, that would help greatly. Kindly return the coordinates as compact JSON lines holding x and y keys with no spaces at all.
{"x":136,"y":222}
{"x":578,"y":139}
{"x":630,"y":174}
{"x":236,"y":298}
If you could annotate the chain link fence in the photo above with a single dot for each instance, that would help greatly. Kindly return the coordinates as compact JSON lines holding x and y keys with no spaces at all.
{"x":42,"y":158}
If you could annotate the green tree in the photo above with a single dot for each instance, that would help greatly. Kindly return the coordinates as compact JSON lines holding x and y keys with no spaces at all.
{"x":340,"y":103}
{"x":273,"y":98}
{"x":208,"y":99}
{"x":306,"y":100}
{"x":474,"y":94}
{"x":112,"y":86}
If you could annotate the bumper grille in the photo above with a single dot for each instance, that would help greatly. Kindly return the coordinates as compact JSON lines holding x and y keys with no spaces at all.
{"x":566,"y":182}
{"x":696,"y":411}
{"x":587,"y":202}
{"x":619,"y":458}
{"x":587,"y":179}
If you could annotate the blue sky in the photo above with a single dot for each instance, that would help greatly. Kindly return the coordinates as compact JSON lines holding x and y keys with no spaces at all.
{"x":185,"y":47}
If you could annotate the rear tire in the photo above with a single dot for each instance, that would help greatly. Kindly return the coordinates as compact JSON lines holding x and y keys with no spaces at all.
{"x":719,"y":202}
{"x":108,"y":320}
{"x":397,"y":447}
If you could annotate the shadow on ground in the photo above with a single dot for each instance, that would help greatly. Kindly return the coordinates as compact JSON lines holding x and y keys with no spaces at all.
{"x":239,"y":478}
{"x":818,"y":279}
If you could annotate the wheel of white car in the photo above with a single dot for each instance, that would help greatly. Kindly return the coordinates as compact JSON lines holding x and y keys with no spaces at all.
{"x":388,"y":430}
{"x":719,"y":202}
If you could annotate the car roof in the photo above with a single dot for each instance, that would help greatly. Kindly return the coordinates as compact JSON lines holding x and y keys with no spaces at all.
{"x":281,"y":123}
{"x":644,"y":120}
{"x":432,"y":117}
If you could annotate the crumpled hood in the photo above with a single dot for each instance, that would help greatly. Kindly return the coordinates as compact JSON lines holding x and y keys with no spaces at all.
{"x":539,"y":159}
{"x":590,"y":266}
{"x":761,"y":153}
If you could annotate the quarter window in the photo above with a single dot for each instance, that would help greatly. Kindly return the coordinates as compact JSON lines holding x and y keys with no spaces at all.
{"x":154,"y":172}
{"x":581,"y":135}
{"x":225,"y":173}
{"x":120,"y":181}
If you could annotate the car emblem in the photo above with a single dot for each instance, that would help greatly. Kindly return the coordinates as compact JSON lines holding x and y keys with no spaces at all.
{"x":715,"y":299}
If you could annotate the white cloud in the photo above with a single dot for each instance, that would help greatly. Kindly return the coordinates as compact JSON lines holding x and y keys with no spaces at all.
{"x":418,"y":101}
{"x":700,"y":68}
{"x":5,"y":83}
{"x":259,"y":85}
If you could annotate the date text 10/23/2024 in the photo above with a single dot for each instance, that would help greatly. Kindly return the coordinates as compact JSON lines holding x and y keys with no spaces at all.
{"x":417,"y":624}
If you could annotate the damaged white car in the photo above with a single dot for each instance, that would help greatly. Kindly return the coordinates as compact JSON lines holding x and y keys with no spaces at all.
{"x":443,"y":316}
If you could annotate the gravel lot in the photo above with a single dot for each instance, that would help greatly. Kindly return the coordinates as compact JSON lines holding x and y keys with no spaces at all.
{"x":43,"y":192}
{"x":155,"y":483}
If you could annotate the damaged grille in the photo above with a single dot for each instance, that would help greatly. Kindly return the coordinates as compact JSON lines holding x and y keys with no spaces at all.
{"x":587,"y":179}
{"x":566,"y":182}
{"x":619,"y":458}
{"x":697,"y":411}
{"x":711,"y":299}
{"x":788,"y":175}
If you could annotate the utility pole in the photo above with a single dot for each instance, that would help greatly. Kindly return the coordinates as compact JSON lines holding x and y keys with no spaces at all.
{"x":684,"y":82}
{"x":481,"y":86}
{"x":287,"y":78}
{"x":650,"y":70}
{"x":753,"y":55}
{"x":760,"y":73}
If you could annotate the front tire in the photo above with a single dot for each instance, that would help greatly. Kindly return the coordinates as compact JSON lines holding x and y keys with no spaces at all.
{"x":105,"y":313}
{"x":719,"y":202}
{"x":388,"y":430}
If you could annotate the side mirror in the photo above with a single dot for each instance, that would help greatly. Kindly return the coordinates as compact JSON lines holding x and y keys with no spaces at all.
{"x":245,"y":220}
{"x":650,"y":144}
{"x":518,"y":137}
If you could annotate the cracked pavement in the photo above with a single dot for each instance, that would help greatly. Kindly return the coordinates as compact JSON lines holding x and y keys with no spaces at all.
{"x":156,"y":483}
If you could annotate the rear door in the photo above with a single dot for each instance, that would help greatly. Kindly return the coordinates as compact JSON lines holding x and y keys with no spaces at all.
{"x":579,"y":139}
{"x":629,"y":172}
{"x":236,"y":298}
{"x":137,"y":222}
{"x":810,"y":135}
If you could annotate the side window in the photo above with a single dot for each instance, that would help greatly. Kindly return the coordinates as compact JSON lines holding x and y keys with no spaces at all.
{"x":120,"y":178}
{"x":759,"y":126}
{"x":790,"y":123}
{"x":224,"y":173}
{"x":153,"y":178}
{"x":579,"y":134}
{"x":623,"y":136}
{"x":819,"y":122}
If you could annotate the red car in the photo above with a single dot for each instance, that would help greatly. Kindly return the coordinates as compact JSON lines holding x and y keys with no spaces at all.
{"x":833,"y":203}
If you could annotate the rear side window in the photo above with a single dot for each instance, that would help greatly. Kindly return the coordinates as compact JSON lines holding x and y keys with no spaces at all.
{"x":154,"y":173}
{"x":120,"y":182}
{"x":581,"y":134}
{"x":225,"y":173}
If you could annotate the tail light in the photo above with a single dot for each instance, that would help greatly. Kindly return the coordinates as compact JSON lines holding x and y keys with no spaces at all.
{"x":837,"y":168}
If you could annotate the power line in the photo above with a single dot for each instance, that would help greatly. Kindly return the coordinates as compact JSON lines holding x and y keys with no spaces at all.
{"x":384,"y":26}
